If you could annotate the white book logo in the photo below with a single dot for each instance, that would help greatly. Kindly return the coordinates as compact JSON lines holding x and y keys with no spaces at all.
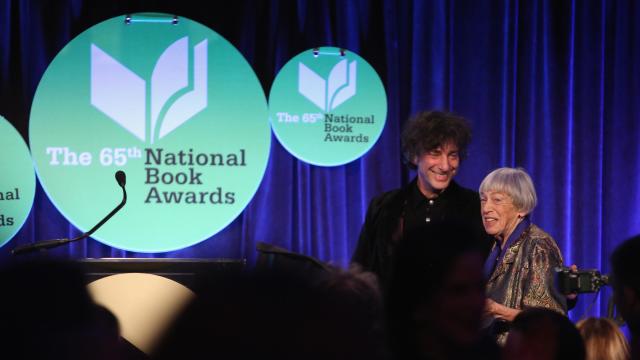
{"x":328,"y":94}
{"x":122,"y":95}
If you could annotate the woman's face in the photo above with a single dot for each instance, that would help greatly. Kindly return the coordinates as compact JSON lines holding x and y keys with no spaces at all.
{"x":499,"y":215}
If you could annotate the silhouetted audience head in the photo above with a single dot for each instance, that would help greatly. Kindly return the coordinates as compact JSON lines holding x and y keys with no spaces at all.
{"x":276,"y":314}
{"x":603,"y":339}
{"x":357,"y":292}
{"x":47,"y":313}
{"x":626,"y":282}
{"x":436,"y":296}
{"x":543,"y":334}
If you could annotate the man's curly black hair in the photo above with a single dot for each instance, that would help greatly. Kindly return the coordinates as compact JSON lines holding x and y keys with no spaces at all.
{"x":429,"y":130}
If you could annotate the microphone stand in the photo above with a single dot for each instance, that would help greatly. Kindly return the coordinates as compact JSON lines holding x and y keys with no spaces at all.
{"x":49,"y":244}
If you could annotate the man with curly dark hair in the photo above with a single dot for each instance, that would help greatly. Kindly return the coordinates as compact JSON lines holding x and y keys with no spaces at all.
{"x":434,"y":144}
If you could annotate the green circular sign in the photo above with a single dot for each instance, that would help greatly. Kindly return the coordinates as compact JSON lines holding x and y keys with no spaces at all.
{"x":171,"y":103}
{"x":17,"y":183}
{"x":327,"y":106}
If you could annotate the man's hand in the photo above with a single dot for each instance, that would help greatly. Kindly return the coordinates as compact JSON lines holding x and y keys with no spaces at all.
{"x":573,"y":295}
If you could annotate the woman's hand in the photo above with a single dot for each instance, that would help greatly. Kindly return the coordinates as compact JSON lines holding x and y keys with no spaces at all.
{"x":500,"y":311}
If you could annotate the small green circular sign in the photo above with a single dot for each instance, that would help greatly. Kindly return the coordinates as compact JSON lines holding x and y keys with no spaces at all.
{"x":171,"y":103}
{"x":327,"y":106}
{"x":17,"y":183}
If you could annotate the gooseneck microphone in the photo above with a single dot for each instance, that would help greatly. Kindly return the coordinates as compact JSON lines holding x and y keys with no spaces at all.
{"x":121,"y":178}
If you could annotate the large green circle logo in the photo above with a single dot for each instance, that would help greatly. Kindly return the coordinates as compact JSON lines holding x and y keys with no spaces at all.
{"x":171,"y":103}
{"x":17,"y":183}
{"x":327,"y":106}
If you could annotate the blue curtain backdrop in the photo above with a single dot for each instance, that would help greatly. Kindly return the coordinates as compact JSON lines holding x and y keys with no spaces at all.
{"x":552,"y":86}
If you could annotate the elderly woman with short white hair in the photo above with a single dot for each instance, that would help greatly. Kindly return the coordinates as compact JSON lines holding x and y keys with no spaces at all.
{"x":520,"y":267}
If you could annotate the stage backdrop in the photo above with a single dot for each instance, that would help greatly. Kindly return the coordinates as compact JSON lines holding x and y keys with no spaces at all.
{"x":552,"y":86}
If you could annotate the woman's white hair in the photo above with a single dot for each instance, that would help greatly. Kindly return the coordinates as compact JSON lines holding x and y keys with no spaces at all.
{"x":514,"y":182}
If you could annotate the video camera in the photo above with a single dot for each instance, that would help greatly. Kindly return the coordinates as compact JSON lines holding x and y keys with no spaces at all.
{"x":583,"y":281}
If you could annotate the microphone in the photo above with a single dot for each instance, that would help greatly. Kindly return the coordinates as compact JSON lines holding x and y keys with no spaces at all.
{"x":121,"y":178}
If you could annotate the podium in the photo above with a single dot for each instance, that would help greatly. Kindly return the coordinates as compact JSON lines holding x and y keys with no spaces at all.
{"x":147,"y":294}
{"x":180,"y":270}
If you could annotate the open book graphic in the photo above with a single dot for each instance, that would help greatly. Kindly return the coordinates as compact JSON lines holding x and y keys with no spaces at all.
{"x":328,"y":94}
{"x":122,"y":95}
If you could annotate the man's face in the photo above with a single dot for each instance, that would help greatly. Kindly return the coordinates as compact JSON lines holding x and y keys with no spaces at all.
{"x":436,"y":168}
